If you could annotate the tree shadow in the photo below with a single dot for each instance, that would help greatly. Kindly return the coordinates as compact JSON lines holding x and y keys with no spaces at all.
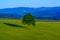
{"x":14,"y":25}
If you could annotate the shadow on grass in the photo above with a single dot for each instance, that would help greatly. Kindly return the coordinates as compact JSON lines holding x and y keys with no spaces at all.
{"x":14,"y":25}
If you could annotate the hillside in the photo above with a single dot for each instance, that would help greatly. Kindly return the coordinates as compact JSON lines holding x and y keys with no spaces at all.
{"x":42,"y":31}
{"x":37,"y":12}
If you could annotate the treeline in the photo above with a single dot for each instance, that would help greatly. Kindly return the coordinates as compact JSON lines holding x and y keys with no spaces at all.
{"x":18,"y":16}
{"x":10,"y":16}
{"x":48,"y":18}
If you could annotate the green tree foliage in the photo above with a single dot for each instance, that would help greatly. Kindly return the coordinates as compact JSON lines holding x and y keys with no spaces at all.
{"x":28,"y":19}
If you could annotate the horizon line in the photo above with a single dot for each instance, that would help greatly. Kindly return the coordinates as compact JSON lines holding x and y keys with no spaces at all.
{"x":26,"y":7}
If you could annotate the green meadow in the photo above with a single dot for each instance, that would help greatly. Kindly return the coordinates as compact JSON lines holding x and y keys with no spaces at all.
{"x":42,"y":30}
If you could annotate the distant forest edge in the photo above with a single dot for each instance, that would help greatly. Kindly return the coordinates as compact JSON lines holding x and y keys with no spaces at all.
{"x":42,"y":13}
{"x":15,"y":16}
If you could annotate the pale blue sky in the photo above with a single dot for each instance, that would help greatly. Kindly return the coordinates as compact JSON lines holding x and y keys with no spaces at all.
{"x":28,"y":3}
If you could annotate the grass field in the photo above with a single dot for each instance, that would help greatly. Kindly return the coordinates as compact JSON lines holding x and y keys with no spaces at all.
{"x":42,"y":31}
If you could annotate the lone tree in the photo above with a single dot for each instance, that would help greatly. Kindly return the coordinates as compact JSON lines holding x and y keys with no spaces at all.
{"x":28,"y":19}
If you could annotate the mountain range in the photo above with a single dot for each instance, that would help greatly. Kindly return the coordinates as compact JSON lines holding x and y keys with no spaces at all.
{"x":44,"y":12}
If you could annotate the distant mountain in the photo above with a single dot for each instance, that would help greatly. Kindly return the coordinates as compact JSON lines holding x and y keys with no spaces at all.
{"x":37,"y":12}
{"x":19,"y":10}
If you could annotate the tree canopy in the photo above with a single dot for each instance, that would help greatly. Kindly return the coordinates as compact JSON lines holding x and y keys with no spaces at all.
{"x":28,"y":19}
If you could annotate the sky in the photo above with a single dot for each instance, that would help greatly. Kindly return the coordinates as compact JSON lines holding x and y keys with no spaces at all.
{"x":28,"y":3}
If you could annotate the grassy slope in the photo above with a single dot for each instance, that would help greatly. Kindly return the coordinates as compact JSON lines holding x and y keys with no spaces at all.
{"x":42,"y":31}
